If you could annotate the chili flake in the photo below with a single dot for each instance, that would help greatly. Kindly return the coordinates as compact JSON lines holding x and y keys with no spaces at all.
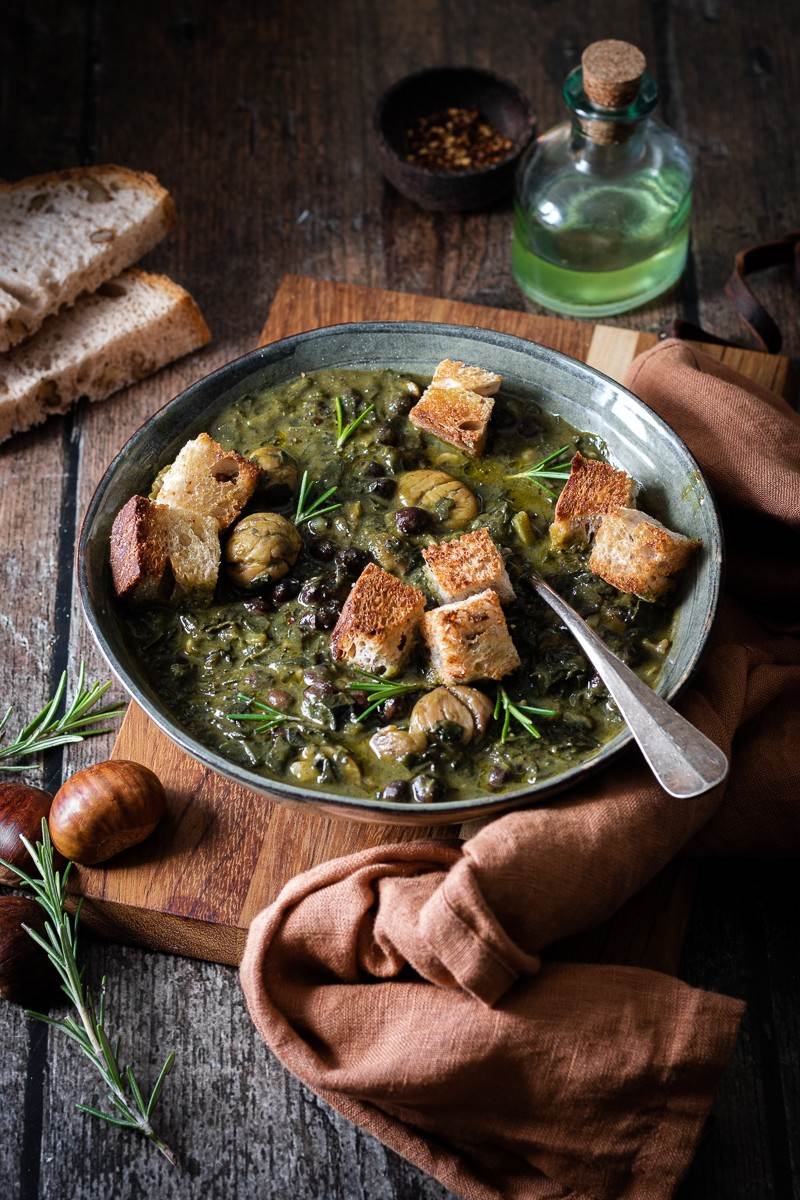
{"x":458,"y":139}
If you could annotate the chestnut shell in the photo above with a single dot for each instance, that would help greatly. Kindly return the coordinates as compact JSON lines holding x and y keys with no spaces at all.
{"x":21,"y":811}
{"x":105,"y":809}
{"x":26,"y":975}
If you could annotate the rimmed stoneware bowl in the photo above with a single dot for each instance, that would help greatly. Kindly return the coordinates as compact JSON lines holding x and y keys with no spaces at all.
{"x":636,"y":439}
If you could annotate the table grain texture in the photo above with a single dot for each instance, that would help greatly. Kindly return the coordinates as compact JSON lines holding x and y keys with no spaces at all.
{"x":257,"y":116}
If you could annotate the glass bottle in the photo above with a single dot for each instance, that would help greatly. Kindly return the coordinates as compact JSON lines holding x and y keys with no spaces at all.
{"x":603,"y":200}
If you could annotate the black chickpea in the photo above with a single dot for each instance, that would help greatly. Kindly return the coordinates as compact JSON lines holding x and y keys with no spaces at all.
{"x":395,"y":792}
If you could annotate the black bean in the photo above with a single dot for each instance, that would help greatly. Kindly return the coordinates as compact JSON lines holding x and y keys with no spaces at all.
{"x":374,"y":469}
{"x":386,"y":434}
{"x":280,"y":699}
{"x":308,"y":621}
{"x":321,"y":548}
{"x":360,"y":700}
{"x":352,"y":560}
{"x":327,"y":616}
{"x":315,"y":691}
{"x":316,"y":674}
{"x":399,"y":406}
{"x":396,"y":791}
{"x":385,"y":488}
{"x":258,"y":605}
{"x":424,"y":789}
{"x":311,"y":592}
{"x":497,"y":777}
{"x":529,"y":427}
{"x":412,"y":520}
{"x":285,"y":589}
{"x":393,"y":709}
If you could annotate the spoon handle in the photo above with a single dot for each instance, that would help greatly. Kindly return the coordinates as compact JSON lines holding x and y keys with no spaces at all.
{"x":682,"y":758}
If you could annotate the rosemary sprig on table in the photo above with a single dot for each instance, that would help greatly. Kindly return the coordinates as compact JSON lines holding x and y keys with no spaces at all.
{"x":509,"y":711}
{"x":378,"y":690}
{"x":59,"y":941}
{"x":552,"y":466}
{"x":344,"y":432}
{"x":306,"y":509}
{"x":81,"y":719}
{"x":265,"y":716}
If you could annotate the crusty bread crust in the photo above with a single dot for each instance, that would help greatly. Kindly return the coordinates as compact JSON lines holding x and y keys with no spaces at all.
{"x":593,"y":489}
{"x":138,"y":552}
{"x":466,"y":565}
{"x":377,"y":626}
{"x":452,"y":373}
{"x":208,"y":479}
{"x":470,"y":640}
{"x":454,"y":415}
{"x":637,"y":554}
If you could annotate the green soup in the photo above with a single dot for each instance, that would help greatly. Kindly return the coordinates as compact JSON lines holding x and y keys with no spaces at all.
{"x":209,"y":662}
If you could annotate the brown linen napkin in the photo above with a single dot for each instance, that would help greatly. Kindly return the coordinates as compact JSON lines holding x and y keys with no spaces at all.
{"x":404,"y":984}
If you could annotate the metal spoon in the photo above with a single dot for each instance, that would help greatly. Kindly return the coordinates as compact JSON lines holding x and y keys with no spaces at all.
{"x":682,"y":758}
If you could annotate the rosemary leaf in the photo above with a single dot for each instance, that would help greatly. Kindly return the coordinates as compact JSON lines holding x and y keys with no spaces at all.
{"x":81,"y":719}
{"x":552,"y":466}
{"x":265,"y":716}
{"x":88,"y":1031}
{"x":509,"y":710}
{"x":306,"y":510}
{"x":378,"y":690}
{"x":344,"y":432}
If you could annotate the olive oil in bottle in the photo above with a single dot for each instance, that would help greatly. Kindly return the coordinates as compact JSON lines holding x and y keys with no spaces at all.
{"x":603,"y":200}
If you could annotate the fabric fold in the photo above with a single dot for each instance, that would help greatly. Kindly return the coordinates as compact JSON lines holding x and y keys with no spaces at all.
{"x":405,"y":984}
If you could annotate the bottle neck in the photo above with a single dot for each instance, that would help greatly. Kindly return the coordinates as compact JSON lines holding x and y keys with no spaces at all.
{"x":596,"y":129}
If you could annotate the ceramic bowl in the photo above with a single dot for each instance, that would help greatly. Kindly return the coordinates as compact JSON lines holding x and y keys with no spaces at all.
{"x":636,"y":439}
{"x":431,"y":91}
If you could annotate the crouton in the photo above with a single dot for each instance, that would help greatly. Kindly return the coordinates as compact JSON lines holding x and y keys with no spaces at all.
{"x":450,"y":373}
{"x":470,"y":639}
{"x":637,"y":554}
{"x":468,"y":564}
{"x":454,"y":415}
{"x":593,"y":489}
{"x":205,"y":478}
{"x":378,"y":625}
{"x":161,"y":554}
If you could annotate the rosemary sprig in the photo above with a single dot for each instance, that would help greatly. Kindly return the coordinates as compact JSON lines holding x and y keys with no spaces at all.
{"x":518,"y":712}
{"x":59,"y":940}
{"x":265,"y":715}
{"x":81,"y":719}
{"x":307,"y":509}
{"x":552,"y":466}
{"x":344,"y":432}
{"x":378,"y":690}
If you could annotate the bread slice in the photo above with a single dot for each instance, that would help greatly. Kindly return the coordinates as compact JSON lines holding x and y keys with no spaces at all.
{"x":163,"y":555}
{"x":454,"y":415}
{"x":593,"y":489}
{"x":466,"y":565}
{"x":470,"y":640}
{"x":378,"y":625}
{"x":637,"y":554}
{"x":67,"y":232}
{"x":128,"y":329}
{"x":452,"y":373}
{"x":208,"y":479}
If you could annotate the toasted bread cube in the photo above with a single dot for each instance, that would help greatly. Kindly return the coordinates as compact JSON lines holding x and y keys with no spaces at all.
{"x":454,"y":415}
{"x":378,"y":625}
{"x":205,"y":478}
{"x":593,"y":489}
{"x":470,"y":639}
{"x":637,"y":554}
{"x":468,"y":564}
{"x":161,"y":554}
{"x":451,"y":373}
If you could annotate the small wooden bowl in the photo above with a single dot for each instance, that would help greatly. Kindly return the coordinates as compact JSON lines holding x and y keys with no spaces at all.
{"x":431,"y":91}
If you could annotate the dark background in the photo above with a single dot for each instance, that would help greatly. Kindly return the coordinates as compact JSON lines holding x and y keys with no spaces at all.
{"x":257,"y":117}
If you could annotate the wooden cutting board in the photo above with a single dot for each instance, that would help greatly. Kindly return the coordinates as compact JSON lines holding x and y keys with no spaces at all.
{"x":223,"y":853}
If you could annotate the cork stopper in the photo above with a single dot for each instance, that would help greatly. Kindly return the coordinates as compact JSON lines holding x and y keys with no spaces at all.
{"x":612,"y":72}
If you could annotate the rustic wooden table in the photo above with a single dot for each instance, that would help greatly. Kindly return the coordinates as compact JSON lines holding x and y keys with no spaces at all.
{"x":258,"y":119}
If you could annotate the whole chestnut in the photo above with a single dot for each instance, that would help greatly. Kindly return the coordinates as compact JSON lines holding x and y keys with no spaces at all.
{"x":105,"y":809}
{"x":21,"y":811}
{"x":26,"y":976}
